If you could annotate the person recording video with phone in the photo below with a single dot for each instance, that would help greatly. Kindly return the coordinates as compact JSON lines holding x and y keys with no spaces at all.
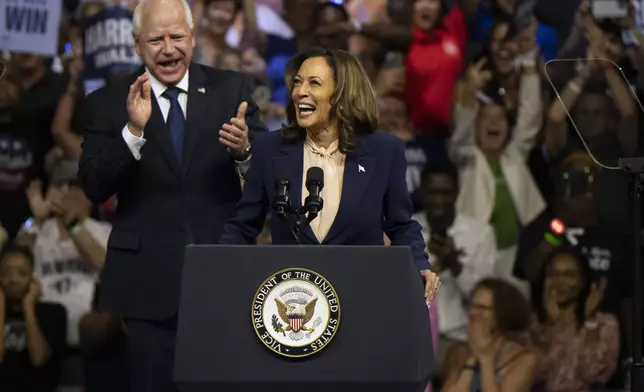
{"x":464,"y":251}
{"x":350,"y":179}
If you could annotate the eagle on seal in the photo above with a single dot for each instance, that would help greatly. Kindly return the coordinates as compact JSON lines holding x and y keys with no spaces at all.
{"x":295,"y":315}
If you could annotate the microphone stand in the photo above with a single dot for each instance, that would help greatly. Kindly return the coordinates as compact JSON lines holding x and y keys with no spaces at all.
{"x":302,"y":219}
{"x":298,"y":218}
{"x":295,"y":226}
{"x":634,"y":167}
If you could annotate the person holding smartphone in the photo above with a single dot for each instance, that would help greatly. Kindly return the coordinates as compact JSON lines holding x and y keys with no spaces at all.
{"x":463,"y":251}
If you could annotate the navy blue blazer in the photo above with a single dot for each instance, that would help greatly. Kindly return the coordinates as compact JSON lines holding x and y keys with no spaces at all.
{"x":374,"y":196}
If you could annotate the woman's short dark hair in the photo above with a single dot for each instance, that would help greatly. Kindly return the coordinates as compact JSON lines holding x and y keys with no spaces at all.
{"x":445,"y":167}
{"x":239,"y":6}
{"x":511,"y":309}
{"x":353,"y":103}
{"x":17,"y":249}
{"x":322,"y":6}
{"x":586,"y":276}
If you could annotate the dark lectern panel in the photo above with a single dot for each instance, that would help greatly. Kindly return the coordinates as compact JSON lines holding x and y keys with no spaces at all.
{"x":383,"y":340}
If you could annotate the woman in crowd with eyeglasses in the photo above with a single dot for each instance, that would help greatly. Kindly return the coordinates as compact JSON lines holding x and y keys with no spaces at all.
{"x":493,"y":359}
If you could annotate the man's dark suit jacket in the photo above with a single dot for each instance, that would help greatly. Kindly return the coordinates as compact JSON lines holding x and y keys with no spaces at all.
{"x":161,"y":205}
{"x":374,"y":196}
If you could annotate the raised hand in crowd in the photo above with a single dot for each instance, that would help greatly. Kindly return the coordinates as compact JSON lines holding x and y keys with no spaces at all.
{"x":596,"y":42}
{"x":33,"y":294}
{"x":390,"y":81}
{"x":139,"y":105}
{"x":595,"y":297}
{"x":66,"y":205}
{"x":572,"y":43}
{"x":583,"y":15}
{"x":550,"y":304}
{"x":39,"y":204}
{"x":476,"y":78}
{"x":527,"y":37}
{"x":73,"y":64}
{"x":61,"y":126}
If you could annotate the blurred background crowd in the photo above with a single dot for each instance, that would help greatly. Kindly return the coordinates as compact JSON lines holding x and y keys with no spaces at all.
{"x":496,"y":101}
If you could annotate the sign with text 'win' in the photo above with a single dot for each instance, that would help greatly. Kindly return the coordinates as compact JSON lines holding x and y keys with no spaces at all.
{"x":30,"y":26}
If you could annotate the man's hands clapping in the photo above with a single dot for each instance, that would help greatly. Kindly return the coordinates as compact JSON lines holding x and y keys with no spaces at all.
{"x":139,"y":105}
{"x":40,"y":205}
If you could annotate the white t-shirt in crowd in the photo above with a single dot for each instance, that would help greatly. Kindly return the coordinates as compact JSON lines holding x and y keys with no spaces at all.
{"x":476,"y":240}
{"x":65,"y":278}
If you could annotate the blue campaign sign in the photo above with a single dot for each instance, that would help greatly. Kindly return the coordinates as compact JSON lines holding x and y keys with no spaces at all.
{"x":108,"y":45}
{"x":30,"y":26}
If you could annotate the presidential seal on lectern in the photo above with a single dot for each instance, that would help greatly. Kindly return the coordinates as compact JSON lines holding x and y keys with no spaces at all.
{"x":296,"y":312}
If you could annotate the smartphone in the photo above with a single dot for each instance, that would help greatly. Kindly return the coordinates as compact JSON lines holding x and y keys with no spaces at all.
{"x":29,"y":223}
{"x":608,"y":9}
{"x":68,"y":51}
{"x":29,"y":227}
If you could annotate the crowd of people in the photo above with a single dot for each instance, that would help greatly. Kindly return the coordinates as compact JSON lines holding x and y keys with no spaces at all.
{"x":512,"y":114}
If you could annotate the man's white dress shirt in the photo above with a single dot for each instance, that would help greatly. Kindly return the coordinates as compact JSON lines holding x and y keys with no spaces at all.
{"x":135,"y":143}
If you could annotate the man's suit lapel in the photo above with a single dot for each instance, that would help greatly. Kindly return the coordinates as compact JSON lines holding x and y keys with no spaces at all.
{"x":358,"y":169}
{"x":157,"y":130}
{"x":292,"y":162}
{"x":199,"y":94}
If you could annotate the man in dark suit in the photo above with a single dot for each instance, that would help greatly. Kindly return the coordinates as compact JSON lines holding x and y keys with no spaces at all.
{"x":160,"y":146}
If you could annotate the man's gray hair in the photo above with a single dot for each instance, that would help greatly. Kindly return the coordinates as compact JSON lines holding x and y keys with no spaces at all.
{"x":136,"y":19}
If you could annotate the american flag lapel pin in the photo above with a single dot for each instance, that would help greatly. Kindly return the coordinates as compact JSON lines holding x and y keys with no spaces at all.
{"x":360,"y":169}
{"x":202,"y":90}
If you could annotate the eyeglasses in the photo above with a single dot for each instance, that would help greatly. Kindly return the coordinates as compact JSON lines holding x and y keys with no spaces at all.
{"x":481,"y":307}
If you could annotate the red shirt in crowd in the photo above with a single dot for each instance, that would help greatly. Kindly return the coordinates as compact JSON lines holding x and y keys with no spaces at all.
{"x":433,"y":65}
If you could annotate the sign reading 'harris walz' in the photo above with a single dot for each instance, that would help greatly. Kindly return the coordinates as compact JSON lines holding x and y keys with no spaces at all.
{"x":296,"y":312}
{"x":108,"y":44}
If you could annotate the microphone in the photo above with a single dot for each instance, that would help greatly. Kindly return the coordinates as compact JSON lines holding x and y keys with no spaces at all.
{"x":314,"y":183}
{"x":281,"y":202}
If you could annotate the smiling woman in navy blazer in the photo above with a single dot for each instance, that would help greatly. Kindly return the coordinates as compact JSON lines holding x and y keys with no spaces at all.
{"x":332,"y":115}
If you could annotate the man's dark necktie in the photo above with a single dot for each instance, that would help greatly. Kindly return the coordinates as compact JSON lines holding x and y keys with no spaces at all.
{"x":176,"y":122}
